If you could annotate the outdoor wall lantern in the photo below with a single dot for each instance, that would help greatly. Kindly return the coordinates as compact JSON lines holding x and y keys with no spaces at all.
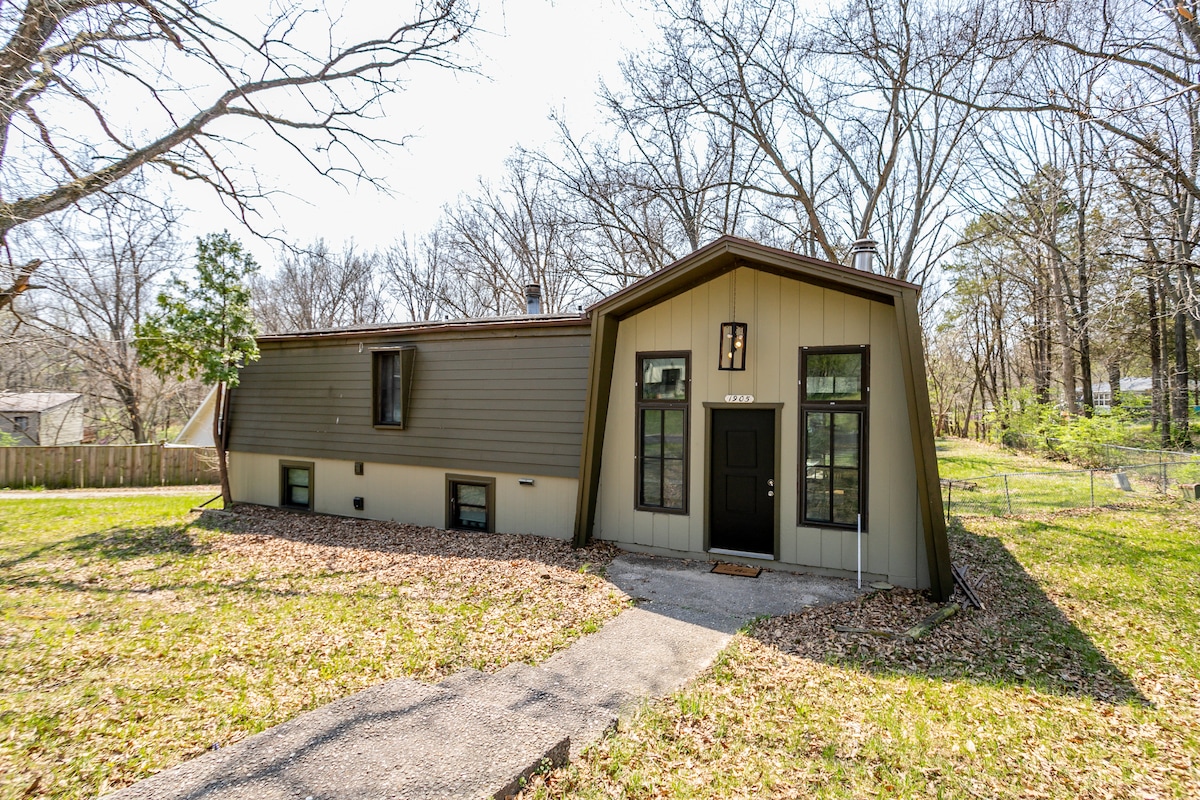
{"x":733,"y":346}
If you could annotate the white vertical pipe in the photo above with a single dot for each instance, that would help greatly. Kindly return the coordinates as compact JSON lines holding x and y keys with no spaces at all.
{"x":860,"y":551}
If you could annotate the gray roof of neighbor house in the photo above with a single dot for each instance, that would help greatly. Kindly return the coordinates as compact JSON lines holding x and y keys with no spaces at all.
{"x":35,"y":402}
{"x":1137,"y":385}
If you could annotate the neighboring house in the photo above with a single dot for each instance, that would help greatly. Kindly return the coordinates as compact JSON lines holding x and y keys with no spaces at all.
{"x":198,"y":432}
{"x":1131,"y":387}
{"x":744,"y":403}
{"x":42,"y":418}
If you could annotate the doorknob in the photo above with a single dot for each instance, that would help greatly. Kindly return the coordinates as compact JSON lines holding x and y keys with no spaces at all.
{"x":770,"y":481}
{"x":771,"y":494}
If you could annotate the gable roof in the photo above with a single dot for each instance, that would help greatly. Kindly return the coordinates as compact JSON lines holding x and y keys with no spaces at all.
{"x":11,"y":402}
{"x":723,"y":255}
{"x":730,"y":252}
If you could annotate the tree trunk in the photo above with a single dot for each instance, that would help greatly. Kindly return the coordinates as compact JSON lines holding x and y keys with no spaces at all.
{"x":129,"y":400}
{"x":1158,"y":420}
{"x":1085,"y":365}
{"x":1179,"y":385}
{"x":220,"y":398}
{"x":1114,"y":384}
{"x":1065,"y":336}
{"x":1041,"y":354}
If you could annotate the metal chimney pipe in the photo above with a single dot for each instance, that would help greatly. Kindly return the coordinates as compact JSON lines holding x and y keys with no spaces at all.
{"x":862,"y":255}
{"x":533,"y":299}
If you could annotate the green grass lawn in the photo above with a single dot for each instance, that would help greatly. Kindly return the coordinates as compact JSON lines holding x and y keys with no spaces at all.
{"x":992,"y":481}
{"x":133,"y":637}
{"x":961,"y":459}
{"x":1080,"y":679}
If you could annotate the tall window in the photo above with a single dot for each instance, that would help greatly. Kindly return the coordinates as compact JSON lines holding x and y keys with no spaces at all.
{"x":662,"y":409}
{"x":393,"y":381}
{"x":834,"y":395}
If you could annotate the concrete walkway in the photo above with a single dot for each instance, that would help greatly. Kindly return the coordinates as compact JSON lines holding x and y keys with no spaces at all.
{"x":477,"y":735}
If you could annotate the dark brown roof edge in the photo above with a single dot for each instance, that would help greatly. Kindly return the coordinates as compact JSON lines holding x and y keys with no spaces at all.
{"x":730,"y":243}
{"x":499,"y":323}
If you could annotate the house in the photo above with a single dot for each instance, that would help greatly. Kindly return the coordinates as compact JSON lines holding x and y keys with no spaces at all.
{"x":198,"y":431}
{"x":744,"y":403}
{"x":1131,"y":388}
{"x":42,"y":418}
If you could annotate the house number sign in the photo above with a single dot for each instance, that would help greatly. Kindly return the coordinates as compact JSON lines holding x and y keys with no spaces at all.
{"x":739,"y":398}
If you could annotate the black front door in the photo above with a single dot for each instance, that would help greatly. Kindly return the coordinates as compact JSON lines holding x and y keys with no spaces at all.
{"x":741,"y":483}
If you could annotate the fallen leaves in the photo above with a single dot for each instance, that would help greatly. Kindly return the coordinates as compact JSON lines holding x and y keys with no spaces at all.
{"x":132,"y":637}
{"x":1061,"y":688}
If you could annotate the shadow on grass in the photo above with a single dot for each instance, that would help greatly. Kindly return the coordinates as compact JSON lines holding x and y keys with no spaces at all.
{"x":1021,"y":638}
{"x":117,"y":544}
{"x":122,"y":544}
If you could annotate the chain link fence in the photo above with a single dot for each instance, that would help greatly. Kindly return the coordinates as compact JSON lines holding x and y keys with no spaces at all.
{"x":1096,"y":454}
{"x":1033,"y":492}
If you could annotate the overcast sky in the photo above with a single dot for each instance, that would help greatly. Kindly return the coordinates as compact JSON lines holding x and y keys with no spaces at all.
{"x":534,"y":57}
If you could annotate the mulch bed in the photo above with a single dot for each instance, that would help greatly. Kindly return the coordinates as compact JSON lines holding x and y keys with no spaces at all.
{"x":342,"y":543}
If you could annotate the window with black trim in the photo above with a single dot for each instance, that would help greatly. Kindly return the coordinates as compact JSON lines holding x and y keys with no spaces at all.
{"x":21,"y":423}
{"x":663,"y":390}
{"x":393,"y":371}
{"x":296,"y":484}
{"x":834,"y":401}
{"x":470,"y":503}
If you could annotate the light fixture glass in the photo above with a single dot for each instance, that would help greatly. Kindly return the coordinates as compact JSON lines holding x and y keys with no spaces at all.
{"x":733,"y":346}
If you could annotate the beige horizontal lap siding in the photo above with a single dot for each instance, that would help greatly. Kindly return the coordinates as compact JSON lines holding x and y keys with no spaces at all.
{"x":500,"y":400}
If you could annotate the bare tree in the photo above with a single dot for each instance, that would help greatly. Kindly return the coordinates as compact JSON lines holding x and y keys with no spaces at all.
{"x":827,"y":104}
{"x":415,"y":272}
{"x":1142,"y":60}
{"x":101,"y":275}
{"x":662,"y":179}
{"x":504,"y":237}
{"x":92,"y":91}
{"x":317,"y":288}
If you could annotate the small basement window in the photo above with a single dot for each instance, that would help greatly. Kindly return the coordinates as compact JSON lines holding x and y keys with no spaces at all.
{"x":470,"y":503}
{"x":393,"y":373}
{"x":296,"y":485}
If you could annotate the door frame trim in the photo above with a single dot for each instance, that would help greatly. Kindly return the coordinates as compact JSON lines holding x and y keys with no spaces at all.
{"x":708,"y":409}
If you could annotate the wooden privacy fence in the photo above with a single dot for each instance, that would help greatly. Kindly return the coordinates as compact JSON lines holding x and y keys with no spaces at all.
{"x":98,"y":466}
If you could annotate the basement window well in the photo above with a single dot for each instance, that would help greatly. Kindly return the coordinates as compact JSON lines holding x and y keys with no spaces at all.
{"x":470,"y":503}
{"x":296,"y":485}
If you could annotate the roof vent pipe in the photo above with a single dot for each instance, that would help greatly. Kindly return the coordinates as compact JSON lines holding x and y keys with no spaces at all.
{"x":862,"y":254}
{"x":533,"y":299}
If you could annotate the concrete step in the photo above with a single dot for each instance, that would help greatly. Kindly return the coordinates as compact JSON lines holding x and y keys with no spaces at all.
{"x":400,"y":739}
{"x":640,"y":653}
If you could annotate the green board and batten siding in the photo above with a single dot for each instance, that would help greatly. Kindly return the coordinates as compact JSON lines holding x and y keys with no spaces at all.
{"x":504,"y":400}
